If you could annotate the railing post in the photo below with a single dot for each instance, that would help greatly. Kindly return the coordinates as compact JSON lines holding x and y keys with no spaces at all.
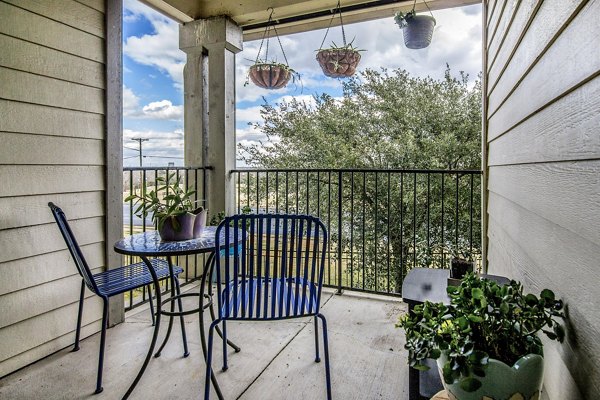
{"x":339,"y":244}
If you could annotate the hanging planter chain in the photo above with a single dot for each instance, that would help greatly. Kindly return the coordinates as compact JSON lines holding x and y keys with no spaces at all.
{"x":266,"y":34}
{"x":338,"y":9}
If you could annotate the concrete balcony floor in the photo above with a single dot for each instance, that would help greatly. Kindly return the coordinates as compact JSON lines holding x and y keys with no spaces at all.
{"x":276,"y":361}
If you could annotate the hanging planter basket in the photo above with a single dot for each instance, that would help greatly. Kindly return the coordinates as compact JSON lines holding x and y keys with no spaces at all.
{"x":417,"y":29}
{"x":270,"y":75}
{"x":338,"y":62}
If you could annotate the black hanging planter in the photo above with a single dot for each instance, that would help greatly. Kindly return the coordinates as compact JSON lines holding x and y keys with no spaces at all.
{"x":417,"y":29}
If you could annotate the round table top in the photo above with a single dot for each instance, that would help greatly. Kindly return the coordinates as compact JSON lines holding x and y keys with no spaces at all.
{"x":150,"y":244}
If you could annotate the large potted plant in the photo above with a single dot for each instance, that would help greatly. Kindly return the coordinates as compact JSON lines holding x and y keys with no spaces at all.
{"x":176,"y":216}
{"x":486,"y":340}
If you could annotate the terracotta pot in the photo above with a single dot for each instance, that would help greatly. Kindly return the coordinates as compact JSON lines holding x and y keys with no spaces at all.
{"x":269,"y":76}
{"x":190,"y":226}
{"x":338,"y":63}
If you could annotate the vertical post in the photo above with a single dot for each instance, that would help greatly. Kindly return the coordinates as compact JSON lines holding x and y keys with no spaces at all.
{"x":339,"y":244}
{"x":209,"y":104}
{"x":484,"y":144}
{"x":114,"y":147}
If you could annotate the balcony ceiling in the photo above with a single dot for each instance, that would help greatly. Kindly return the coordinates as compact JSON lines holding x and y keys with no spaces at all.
{"x":292,"y":16}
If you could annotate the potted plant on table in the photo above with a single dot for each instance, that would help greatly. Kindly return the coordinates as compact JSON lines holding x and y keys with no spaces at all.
{"x":486,"y":340}
{"x":176,"y":216}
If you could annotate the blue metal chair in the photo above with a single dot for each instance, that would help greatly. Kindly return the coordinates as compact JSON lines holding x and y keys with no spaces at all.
{"x":275,"y":272}
{"x":109,"y":283}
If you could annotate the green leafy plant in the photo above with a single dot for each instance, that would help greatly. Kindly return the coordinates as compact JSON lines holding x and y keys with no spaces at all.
{"x":349,"y":46}
{"x":484,"y":320}
{"x":176,"y":201}
{"x":403,"y":18}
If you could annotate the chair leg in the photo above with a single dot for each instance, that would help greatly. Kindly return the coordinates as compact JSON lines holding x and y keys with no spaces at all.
{"x":102,"y":344}
{"x":79,"y":315}
{"x":209,"y":360}
{"x":151,"y":305}
{"x":225,"y":367}
{"x":326,"y":351}
{"x":317,"y":358}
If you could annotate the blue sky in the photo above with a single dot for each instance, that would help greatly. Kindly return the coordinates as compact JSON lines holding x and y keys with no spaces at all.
{"x":153,"y":71}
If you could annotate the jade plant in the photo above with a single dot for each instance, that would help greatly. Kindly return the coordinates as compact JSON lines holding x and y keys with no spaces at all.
{"x":483,"y":320}
{"x":176,"y":201}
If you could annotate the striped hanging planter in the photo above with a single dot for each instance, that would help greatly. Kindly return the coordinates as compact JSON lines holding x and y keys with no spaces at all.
{"x":270,"y":75}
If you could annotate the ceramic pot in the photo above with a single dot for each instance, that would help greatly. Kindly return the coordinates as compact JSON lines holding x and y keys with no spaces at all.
{"x":190,"y":226}
{"x":522,"y":381}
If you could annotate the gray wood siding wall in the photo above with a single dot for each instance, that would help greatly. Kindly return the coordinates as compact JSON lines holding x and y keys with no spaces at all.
{"x":52,"y":135}
{"x":543,"y":165}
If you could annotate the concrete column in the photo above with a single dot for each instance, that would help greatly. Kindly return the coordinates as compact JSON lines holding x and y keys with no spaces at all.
{"x":209,"y":104}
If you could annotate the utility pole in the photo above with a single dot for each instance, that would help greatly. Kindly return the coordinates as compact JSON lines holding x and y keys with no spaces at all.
{"x":140,"y":140}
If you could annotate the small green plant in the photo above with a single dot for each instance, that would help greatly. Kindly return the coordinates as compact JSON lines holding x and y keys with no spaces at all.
{"x":349,"y":46}
{"x":484,"y":320}
{"x":403,"y":18}
{"x":176,"y":201}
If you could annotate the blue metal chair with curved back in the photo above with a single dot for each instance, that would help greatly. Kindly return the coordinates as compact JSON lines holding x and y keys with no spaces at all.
{"x":274,"y":272}
{"x":109,"y":283}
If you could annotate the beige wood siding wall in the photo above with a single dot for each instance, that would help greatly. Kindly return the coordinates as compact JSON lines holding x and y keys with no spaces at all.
{"x":52,"y":140}
{"x":543,"y":143}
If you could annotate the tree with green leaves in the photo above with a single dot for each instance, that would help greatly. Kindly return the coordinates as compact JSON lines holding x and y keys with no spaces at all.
{"x":385,"y":120}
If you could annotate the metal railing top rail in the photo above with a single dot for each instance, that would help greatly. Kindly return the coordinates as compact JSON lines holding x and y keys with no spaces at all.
{"x":166,"y":168}
{"x":360,"y":170}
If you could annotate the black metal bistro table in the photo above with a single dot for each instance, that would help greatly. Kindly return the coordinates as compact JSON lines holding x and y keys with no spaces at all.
{"x":421,"y":285}
{"x":149,"y":244}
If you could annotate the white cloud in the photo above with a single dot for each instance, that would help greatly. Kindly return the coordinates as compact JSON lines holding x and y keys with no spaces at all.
{"x":163,"y":109}
{"x":131,"y":102}
{"x":159,"y":49}
{"x":248,"y":114}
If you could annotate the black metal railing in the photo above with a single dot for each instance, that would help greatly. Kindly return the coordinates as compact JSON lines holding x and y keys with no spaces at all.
{"x":381,"y":223}
{"x":139,"y":179}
